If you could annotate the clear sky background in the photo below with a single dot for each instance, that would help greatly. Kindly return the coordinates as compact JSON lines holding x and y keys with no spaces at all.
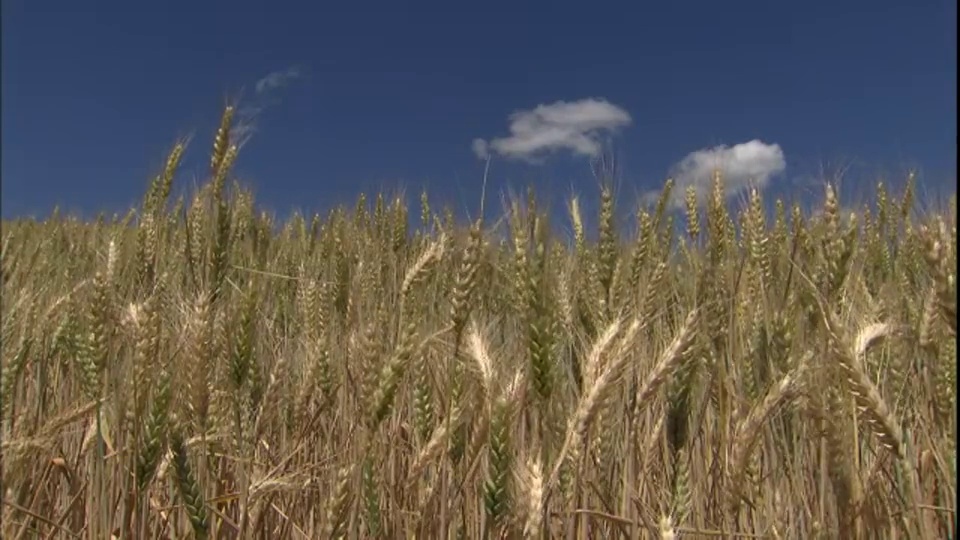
{"x":356,"y":96}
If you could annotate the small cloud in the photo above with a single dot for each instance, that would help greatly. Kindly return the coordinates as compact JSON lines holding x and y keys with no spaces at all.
{"x":277,"y":79}
{"x":649,"y":198}
{"x":481,"y":149}
{"x":573,"y":126}
{"x":752,"y":163}
{"x":264,"y":96}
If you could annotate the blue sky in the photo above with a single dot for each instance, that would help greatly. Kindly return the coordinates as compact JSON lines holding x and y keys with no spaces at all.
{"x":381,"y":94}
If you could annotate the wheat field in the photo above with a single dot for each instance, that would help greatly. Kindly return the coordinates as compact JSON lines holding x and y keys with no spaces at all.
{"x":197,"y":370}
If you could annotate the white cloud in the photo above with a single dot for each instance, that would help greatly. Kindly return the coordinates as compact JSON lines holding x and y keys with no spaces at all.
{"x":481,"y":149}
{"x":752,"y":163}
{"x":574,"y":126}
{"x":277,"y":79}
{"x":264,"y":95}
